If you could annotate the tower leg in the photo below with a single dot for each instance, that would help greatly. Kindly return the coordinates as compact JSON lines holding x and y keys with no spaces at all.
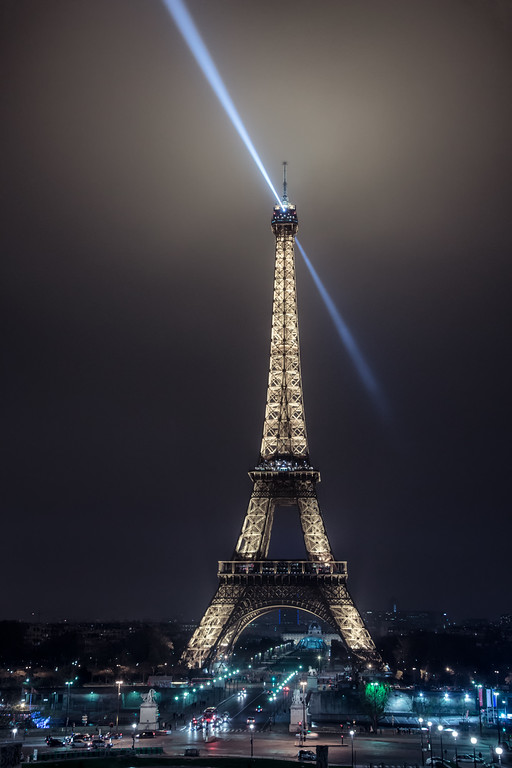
{"x":315,"y":537}
{"x":348,"y":621}
{"x":216,"y":619}
{"x":254,"y":538}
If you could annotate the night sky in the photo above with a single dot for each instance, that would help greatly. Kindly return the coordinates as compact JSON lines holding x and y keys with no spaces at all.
{"x":137,"y":274}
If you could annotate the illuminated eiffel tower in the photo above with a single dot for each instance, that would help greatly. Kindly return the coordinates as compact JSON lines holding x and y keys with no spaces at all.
{"x":250,"y":585}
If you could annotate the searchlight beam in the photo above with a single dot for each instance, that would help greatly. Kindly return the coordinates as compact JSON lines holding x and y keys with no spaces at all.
{"x":192,"y":37}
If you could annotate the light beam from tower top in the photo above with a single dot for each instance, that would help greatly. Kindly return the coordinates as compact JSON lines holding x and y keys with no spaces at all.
{"x":190,"y":33}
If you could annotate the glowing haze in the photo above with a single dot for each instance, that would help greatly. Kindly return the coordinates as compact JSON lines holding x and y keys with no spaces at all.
{"x":188,"y":29}
{"x":137,"y":295}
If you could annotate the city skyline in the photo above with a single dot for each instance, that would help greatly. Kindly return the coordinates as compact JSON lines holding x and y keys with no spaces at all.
{"x":138,"y":276}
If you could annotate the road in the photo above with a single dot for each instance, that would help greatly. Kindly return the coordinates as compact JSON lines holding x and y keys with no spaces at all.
{"x":235,"y":739}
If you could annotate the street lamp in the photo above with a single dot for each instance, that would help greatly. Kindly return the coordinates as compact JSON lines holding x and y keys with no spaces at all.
{"x":14,"y":732}
{"x":352,"y":742}
{"x":26,"y":693}
{"x":251,"y":731}
{"x":303,"y":684}
{"x":430,"y":738}
{"x":420,"y":721}
{"x":474,"y":741}
{"x":455,"y":734}
{"x":69,"y":683}
{"x":440,"y":729}
{"x":499,"y":752}
{"x":134,"y":726}
{"x":119,"y":684}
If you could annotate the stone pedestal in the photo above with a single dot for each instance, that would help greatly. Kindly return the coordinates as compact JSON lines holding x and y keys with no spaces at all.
{"x":148,"y":716}
{"x":298,"y":709}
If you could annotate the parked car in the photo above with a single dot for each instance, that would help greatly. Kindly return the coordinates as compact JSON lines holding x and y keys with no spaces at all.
{"x":99,"y":743}
{"x":438,"y":762}
{"x":52,"y":742}
{"x":145,"y":735}
{"x":306,"y":754}
{"x":80,"y":742}
{"x":468,"y":758}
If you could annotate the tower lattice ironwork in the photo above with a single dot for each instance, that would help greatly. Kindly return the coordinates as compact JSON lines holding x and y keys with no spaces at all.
{"x":250,"y":585}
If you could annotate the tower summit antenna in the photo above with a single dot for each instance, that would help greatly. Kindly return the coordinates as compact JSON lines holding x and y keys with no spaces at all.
{"x":285,"y":185}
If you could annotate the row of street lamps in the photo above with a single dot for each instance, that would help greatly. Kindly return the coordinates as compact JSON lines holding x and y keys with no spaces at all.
{"x":498,"y":750}
{"x":440,"y":728}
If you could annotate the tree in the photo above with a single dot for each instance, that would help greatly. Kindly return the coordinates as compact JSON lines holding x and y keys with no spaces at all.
{"x":374,"y":698}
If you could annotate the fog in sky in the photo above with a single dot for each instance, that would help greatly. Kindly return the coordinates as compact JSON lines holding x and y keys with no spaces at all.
{"x":137,"y":273}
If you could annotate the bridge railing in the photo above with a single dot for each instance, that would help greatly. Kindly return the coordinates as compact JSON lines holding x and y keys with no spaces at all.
{"x":281,"y":567}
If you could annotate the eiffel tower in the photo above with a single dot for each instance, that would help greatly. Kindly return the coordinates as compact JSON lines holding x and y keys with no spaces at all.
{"x":251,"y":585}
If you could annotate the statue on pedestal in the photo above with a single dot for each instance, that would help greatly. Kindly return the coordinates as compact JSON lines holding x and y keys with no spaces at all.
{"x":148,"y":717}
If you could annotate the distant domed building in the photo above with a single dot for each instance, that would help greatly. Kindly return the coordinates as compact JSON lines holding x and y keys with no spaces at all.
{"x":313,"y":641}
